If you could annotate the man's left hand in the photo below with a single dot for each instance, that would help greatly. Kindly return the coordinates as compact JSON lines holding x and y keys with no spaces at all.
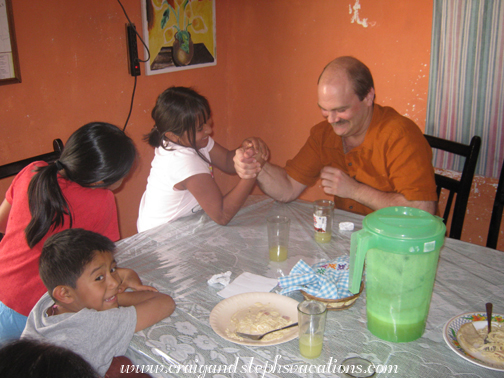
{"x":336,"y":182}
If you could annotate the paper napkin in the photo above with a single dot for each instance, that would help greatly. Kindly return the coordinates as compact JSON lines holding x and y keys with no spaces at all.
{"x":248,"y":283}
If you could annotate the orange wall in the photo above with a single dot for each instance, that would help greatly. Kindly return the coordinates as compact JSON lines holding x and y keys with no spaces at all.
{"x":269,"y":55}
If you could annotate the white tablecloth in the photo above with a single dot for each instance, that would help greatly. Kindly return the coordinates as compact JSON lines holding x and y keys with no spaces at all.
{"x":179,"y":258}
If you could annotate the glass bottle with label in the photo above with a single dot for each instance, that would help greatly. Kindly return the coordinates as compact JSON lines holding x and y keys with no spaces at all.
{"x":322,"y":220}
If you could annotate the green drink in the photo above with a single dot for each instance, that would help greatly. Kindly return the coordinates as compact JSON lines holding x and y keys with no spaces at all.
{"x":310,"y":346}
{"x":403,"y":283}
{"x":278,"y":253}
{"x":394,"y":332}
{"x":399,"y":247}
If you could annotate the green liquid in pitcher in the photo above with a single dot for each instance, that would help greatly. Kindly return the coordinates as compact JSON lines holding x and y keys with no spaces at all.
{"x":395,"y":332}
{"x":398,"y":293}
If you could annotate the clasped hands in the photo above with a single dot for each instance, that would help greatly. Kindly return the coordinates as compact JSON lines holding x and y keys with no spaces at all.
{"x":250,"y":157}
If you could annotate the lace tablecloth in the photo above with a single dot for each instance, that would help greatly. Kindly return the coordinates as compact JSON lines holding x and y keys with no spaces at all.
{"x":179,"y":258}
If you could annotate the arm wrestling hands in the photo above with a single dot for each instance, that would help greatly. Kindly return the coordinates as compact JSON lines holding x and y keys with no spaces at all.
{"x":250,"y":161}
{"x":250,"y":157}
{"x":336,"y":182}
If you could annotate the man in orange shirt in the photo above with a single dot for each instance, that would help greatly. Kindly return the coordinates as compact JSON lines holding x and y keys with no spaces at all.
{"x":366,"y":155}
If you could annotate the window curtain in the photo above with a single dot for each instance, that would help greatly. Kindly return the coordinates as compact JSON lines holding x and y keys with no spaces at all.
{"x":466,"y":80}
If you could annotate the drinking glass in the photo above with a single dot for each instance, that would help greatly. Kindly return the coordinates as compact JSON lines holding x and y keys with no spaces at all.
{"x":278,"y":237}
{"x":311,"y":319}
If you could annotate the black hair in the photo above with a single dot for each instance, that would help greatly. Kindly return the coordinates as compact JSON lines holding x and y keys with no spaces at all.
{"x":96,"y":153}
{"x":178,"y":110}
{"x":65,"y":255}
{"x":29,"y":358}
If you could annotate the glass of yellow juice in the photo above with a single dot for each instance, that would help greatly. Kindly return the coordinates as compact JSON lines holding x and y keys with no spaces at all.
{"x":311,"y":318}
{"x":278,"y":237}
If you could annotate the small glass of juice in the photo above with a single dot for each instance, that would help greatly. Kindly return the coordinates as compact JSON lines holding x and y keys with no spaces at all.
{"x":278,"y":237}
{"x":322,"y":220}
{"x":311,"y":319}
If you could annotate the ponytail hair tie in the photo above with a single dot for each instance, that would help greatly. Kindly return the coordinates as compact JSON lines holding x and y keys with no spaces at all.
{"x":58,"y":165}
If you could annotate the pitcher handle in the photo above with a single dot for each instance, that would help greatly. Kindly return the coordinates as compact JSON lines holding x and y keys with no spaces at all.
{"x":360,"y":243}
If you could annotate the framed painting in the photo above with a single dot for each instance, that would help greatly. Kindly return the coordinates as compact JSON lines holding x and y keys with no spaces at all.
{"x":180,"y":34}
{"x":9,"y":62}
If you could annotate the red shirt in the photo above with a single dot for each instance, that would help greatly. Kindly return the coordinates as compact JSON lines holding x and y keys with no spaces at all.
{"x":92,"y":209}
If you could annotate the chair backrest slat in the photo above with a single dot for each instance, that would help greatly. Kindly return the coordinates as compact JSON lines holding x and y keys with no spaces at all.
{"x":461,"y":188}
{"x":14,"y":168}
{"x":495,"y":221}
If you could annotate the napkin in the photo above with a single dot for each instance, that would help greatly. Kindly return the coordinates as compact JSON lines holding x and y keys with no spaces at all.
{"x":346,"y":226}
{"x":222,"y":278}
{"x":248,"y":283}
{"x":326,"y":279}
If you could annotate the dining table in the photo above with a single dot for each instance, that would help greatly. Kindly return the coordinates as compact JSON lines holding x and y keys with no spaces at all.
{"x":179,"y":258}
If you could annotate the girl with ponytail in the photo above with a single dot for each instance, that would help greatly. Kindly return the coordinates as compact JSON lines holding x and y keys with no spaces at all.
{"x":44,"y":199}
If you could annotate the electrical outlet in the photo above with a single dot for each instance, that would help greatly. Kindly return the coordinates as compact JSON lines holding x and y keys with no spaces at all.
{"x":134,"y":63}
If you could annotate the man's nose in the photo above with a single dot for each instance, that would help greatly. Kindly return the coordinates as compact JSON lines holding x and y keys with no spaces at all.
{"x":333,"y":117}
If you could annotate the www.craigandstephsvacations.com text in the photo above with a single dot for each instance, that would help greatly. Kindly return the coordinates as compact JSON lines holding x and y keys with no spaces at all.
{"x":250,"y":366}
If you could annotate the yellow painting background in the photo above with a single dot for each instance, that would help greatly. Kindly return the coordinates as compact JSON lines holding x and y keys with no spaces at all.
{"x":199,"y":12}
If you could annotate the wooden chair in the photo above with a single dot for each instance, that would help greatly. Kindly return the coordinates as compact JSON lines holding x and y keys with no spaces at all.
{"x":14,"y":168}
{"x":463,"y":187}
{"x":495,"y":221}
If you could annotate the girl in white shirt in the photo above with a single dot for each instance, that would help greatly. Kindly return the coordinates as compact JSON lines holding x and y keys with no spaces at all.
{"x":181,"y":179}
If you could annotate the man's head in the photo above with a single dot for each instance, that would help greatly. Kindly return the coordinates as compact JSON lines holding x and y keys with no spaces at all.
{"x":346,"y":96}
{"x":79,"y":270}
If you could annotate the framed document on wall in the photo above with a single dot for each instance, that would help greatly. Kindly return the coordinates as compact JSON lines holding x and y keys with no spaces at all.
{"x":9,"y":62}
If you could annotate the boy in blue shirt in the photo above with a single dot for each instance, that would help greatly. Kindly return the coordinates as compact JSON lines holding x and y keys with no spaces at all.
{"x":87,"y":309}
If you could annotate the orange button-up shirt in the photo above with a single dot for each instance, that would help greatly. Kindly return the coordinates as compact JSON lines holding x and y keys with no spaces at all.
{"x":394,"y":157}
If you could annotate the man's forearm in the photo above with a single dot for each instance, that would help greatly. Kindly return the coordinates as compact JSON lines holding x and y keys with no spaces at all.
{"x":376,"y":199}
{"x":274,"y":181}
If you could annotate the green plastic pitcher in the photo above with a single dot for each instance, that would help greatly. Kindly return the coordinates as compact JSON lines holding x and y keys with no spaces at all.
{"x":400,"y":247}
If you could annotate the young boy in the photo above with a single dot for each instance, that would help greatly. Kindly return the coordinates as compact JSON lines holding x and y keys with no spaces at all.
{"x":86,"y":308}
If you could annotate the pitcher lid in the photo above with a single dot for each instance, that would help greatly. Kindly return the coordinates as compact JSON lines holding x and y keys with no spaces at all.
{"x":400,"y":222}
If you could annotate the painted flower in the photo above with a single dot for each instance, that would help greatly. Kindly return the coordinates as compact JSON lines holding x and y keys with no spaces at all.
{"x":182,"y":21}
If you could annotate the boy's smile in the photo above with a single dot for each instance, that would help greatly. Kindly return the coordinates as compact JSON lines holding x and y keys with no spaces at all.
{"x":98,"y":284}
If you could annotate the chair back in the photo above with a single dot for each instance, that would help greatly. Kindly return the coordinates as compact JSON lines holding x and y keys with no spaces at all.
{"x":495,"y":221}
{"x":461,"y":188}
{"x":14,"y":168}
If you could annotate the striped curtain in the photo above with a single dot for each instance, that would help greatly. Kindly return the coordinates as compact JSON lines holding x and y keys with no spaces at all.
{"x":466,"y":82}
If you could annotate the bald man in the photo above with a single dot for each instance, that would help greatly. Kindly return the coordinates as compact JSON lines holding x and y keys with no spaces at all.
{"x":366,"y":155}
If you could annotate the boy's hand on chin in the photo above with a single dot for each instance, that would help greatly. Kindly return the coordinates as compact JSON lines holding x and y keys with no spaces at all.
{"x":122,"y":288}
{"x":130,"y":279}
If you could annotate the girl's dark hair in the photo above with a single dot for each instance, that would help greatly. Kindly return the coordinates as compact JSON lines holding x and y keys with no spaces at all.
{"x":96,"y":153}
{"x":30,"y":358}
{"x":66,"y":254}
{"x":178,"y":110}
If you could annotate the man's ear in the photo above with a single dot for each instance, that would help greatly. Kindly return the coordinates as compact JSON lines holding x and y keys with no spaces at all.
{"x":370,"y":97}
{"x":63,"y":294}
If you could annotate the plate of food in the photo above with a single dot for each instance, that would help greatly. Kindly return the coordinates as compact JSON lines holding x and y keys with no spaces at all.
{"x":255,"y":313}
{"x":465,"y":335}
